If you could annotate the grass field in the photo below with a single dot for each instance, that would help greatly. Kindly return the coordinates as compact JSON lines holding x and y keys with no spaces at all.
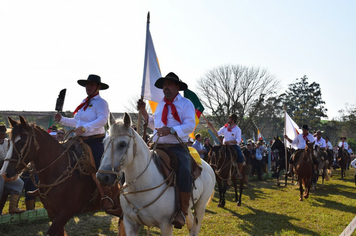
{"x":266,"y":209}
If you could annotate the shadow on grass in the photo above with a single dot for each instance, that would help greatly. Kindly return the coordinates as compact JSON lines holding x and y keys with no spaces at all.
{"x":322,"y":202}
{"x":269,"y":223}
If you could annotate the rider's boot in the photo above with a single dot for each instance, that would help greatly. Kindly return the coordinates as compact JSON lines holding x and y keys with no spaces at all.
{"x":111,"y":201}
{"x":239,"y":170}
{"x":179,"y":217}
{"x":290,"y":171}
{"x":14,"y":201}
{"x":30,"y":204}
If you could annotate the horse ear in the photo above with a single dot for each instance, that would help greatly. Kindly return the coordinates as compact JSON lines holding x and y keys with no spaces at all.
{"x":127,"y":120}
{"x":23,"y":122}
{"x":112,"y":119}
{"x":12,"y":122}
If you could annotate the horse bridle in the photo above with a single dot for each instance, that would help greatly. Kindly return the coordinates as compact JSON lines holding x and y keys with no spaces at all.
{"x":117,"y":171}
{"x":31,"y":135}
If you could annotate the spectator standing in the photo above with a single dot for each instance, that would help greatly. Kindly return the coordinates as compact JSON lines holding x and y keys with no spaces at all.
{"x":207,"y":147}
{"x":199,"y":146}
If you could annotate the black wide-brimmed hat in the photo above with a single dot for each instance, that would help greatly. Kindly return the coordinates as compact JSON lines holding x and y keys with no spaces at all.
{"x":94,"y":79}
{"x":305,"y":127}
{"x":342,"y":137}
{"x":234,"y":117}
{"x":172,"y":77}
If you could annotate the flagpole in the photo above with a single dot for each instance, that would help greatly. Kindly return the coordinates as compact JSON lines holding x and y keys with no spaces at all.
{"x":285,"y":146}
{"x":144,"y":73}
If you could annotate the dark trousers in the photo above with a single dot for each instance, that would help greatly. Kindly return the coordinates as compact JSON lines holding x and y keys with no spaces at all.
{"x":97,"y":148}
{"x":256,"y":165}
{"x":184,"y":177}
{"x":240,"y":156}
{"x":28,"y":185}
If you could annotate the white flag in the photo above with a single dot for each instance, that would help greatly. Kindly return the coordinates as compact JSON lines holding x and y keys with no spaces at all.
{"x":291,"y":130}
{"x":151,"y":73}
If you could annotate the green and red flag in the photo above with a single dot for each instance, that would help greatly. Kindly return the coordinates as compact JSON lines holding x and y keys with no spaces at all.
{"x":199,"y":108}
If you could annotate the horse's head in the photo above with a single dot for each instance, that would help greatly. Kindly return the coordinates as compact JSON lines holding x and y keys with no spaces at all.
{"x":309,"y":149}
{"x":120,"y":150}
{"x":19,"y":154}
{"x":277,"y":144}
{"x":214,"y":155}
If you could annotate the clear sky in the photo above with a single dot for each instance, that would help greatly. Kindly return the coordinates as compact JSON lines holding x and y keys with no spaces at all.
{"x":46,"y":46}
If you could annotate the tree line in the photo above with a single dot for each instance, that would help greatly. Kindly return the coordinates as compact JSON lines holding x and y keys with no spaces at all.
{"x":252,"y":94}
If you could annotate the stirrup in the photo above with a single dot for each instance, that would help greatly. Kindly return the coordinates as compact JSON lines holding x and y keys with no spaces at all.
{"x":238,"y":176}
{"x":175,"y":215}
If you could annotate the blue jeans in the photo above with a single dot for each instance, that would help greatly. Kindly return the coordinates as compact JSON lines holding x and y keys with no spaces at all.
{"x":28,"y":184}
{"x":97,"y":148}
{"x":240,"y":156}
{"x":184,"y":177}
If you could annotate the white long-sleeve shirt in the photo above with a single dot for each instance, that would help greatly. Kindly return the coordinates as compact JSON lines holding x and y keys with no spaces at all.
{"x":93,"y":119}
{"x":300,"y":141}
{"x":235,"y":134}
{"x":346,"y":146}
{"x":353,"y":163}
{"x":186,"y":112}
{"x":321,"y":142}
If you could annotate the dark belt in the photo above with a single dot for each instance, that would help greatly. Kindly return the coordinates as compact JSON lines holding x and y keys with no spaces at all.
{"x":92,"y":136}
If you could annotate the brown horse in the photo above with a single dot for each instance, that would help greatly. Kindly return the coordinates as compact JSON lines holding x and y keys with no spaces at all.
{"x":343,"y":157}
{"x":304,"y":170}
{"x":63,"y":189}
{"x":222,"y":160}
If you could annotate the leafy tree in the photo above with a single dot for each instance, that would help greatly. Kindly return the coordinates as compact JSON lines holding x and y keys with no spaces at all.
{"x":236,"y":89}
{"x":304,"y":102}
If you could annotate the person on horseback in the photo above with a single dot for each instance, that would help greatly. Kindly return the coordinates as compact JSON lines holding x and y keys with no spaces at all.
{"x":174,"y":119}
{"x":15,"y":186}
{"x":319,"y":141}
{"x":90,"y":118}
{"x":300,"y":140}
{"x":232,"y":137}
{"x":343,"y":145}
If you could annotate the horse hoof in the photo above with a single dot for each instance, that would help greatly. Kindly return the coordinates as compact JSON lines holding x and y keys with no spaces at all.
{"x":278,"y":184}
{"x":301,"y":199}
{"x":238,"y":203}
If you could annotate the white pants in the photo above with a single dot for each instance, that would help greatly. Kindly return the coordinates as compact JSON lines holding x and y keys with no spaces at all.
{"x":15,"y":186}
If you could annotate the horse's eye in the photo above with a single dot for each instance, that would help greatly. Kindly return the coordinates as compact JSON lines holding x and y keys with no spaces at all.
{"x":122,"y":144}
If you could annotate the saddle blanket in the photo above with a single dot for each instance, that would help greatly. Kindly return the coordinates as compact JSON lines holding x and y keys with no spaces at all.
{"x":195,"y":155}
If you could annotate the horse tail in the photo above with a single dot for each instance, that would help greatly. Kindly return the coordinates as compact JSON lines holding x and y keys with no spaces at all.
{"x":211,"y":197}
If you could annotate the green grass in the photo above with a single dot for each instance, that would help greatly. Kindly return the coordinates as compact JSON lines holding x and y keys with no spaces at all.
{"x":266,"y":209}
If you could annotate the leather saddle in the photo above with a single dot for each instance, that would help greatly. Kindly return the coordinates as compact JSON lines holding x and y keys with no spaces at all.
{"x":167,"y":162}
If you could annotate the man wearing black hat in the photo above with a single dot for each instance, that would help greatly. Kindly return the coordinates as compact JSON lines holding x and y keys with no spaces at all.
{"x":89,"y":120}
{"x":174,"y":117}
{"x":90,"y":116}
{"x":300,"y":141}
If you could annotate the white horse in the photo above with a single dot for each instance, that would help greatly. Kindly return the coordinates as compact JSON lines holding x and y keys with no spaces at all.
{"x":146,"y":198}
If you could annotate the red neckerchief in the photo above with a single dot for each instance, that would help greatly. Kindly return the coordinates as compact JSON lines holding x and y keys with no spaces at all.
{"x":318,"y":139}
{"x":305,"y":137}
{"x":85,"y":104}
{"x":173,"y":108}
{"x":342,"y":144}
{"x":229,"y":128}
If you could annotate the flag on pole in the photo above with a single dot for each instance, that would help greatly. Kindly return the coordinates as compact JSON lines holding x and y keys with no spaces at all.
{"x":197,"y":105}
{"x":151,"y":72}
{"x":259,"y":135}
{"x":291,"y":130}
{"x":50,"y":124}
